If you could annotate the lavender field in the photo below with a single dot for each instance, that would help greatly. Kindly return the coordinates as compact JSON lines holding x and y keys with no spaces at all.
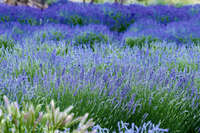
{"x":132,"y":68}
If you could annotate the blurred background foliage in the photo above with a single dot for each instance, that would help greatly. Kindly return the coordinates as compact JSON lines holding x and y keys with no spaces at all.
{"x":146,"y":2}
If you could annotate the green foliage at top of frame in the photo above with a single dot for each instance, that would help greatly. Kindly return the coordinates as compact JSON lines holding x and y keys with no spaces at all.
{"x":88,"y":39}
{"x":141,"y":41}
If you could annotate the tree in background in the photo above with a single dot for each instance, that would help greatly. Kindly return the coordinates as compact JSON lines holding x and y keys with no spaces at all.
{"x":165,"y":2}
{"x":92,"y":1}
{"x":42,"y":4}
{"x":148,"y":2}
{"x":96,"y":1}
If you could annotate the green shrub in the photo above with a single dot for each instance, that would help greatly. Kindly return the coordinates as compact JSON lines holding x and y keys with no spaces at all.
{"x":32,"y":120}
{"x":88,"y":39}
{"x":140,"y":42}
{"x":76,"y":20}
{"x":4,"y":19}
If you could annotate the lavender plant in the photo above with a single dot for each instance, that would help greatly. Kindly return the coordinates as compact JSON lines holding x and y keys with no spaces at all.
{"x":122,"y":127}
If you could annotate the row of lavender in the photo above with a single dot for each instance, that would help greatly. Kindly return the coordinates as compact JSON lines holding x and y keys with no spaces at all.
{"x":139,"y":33}
{"x":108,"y":14}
